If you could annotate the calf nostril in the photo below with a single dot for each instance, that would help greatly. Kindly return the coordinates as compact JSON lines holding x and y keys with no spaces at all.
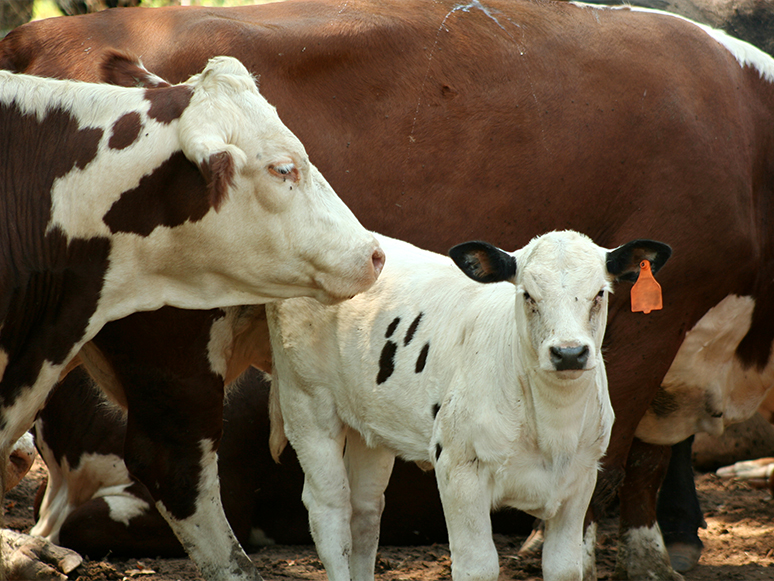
{"x":567,"y":358}
{"x":377,"y":259}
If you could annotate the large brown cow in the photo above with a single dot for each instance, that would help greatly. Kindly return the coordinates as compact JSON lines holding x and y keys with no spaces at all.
{"x":442,"y":121}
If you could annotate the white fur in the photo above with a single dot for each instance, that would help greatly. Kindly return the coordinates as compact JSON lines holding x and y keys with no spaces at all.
{"x":745,"y":53}
{"x":512,"y":432}
{"x":642,"y":555}
{"x":217,"y":561}
{"x":96,"y":476}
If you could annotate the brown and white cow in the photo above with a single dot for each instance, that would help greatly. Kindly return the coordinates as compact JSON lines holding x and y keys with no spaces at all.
{"x":116,"y":200}
{"x":500,"y":120}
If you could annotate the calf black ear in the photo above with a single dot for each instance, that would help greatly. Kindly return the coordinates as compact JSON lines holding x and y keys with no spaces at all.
{"x":624,"y":262}
{"x":483,"y":262}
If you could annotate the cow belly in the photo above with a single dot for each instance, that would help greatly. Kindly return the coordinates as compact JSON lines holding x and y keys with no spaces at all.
{"x":707,"y":387}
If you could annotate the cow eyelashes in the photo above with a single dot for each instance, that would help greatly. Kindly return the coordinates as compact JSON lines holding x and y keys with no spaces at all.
{"x":285,"y":171}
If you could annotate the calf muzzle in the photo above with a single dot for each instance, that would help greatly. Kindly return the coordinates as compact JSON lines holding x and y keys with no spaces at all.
{"x":569,"y":358}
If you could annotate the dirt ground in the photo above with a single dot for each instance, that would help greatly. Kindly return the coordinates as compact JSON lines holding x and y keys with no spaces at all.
{"x":739,"y":545}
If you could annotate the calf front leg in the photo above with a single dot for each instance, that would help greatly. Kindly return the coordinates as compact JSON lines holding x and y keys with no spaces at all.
{"x":369,"y":472}
{"x":567,"y":547}
{"x":467,"y":501}
{"x":318,"y":436}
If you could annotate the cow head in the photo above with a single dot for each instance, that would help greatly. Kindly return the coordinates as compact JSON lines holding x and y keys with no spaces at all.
{"x":563,"y":280}
{"x":275,"y":228}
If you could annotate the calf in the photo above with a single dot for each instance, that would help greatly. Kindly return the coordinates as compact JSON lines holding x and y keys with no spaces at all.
{"x":501,"y":388}
{"x":115,"y":200}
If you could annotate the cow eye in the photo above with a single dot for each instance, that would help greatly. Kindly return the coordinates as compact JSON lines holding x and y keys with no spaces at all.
{"x":286,"y":171}
{"x":599,"y":297}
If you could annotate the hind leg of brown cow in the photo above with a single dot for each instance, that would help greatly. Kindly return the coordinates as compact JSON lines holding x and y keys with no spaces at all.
{"x":641,"y":552}
{"x":678,"y":510}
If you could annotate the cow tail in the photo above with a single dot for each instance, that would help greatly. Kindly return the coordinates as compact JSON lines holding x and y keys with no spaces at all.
{"x":277,"y":438}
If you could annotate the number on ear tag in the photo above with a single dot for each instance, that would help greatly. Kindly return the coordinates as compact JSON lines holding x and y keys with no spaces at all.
{"x":646,"y":292}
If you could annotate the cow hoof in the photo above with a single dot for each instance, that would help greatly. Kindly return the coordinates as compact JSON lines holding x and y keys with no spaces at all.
{"x":34,"y":558}
{"x":683,"y":556}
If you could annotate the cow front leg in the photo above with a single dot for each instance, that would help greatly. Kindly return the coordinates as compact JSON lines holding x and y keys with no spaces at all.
{"x":641,"y":552}
{"x":369,"y":472}
{"x":171,"y":447}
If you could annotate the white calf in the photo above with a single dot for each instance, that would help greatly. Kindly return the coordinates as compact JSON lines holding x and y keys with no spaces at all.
{"x":501,"y":387}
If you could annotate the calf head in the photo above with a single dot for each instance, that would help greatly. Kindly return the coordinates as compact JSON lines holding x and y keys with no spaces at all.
{"x":562,"y":281}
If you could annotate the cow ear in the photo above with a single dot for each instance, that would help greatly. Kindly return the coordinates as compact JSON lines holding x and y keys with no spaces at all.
{"x":624,"y":262}
{"x":218,"y":162}
{"x":483,"y":262}
{"x":122,"y":69}
{"x":218,"y":171}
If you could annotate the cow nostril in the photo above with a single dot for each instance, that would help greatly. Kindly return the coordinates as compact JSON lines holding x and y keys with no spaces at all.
{"x":377,"y":259}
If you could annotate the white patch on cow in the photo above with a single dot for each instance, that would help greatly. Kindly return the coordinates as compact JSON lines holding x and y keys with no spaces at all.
{"x":499,"y":425}
{"x":123,"y":507}
{"x":708,"y":386}
{"x":20,"y":415}
{"x":589,"y":552}
{"x":96,"y":476}
{"x":221,"y":343}
{"x":745,"y":53}
{"x":206,"y":535}
{"x":642,"y":555}
{"x":25,"y":445}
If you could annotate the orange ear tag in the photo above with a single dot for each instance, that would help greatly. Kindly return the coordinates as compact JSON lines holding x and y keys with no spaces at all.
{"x":646,"y":292}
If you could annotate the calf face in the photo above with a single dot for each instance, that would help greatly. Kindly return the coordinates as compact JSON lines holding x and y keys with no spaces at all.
{"x":563,"y":281}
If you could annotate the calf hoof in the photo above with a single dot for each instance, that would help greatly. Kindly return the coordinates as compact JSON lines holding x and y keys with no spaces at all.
{"x":683,"y":556}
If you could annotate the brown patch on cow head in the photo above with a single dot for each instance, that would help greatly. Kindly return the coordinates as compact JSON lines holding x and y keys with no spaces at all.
{"x":174,"y":193}
{"x":664,"y":403}
{"x":125,"y":131}
{"x":168,"y":103}
{"x":218,"y":172}
{"x":122,"y":69}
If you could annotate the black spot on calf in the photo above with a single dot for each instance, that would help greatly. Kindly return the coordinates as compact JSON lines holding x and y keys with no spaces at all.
{"x":412,"y":329}
{"x":422,"y":359}
{"x":391,"y":328}
{"x":387,"y":361}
